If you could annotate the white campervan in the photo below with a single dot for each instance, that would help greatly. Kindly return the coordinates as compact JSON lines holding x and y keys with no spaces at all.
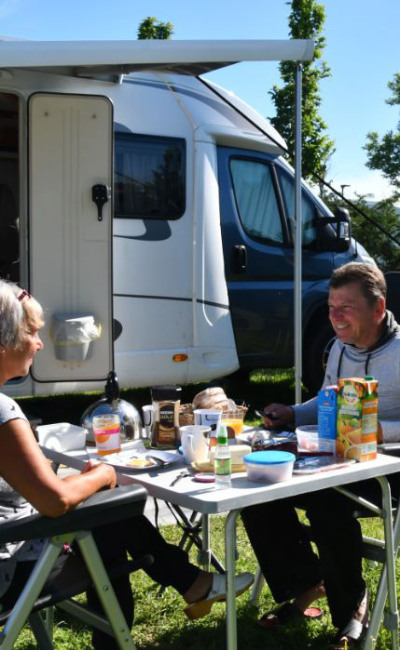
{"x":111,"y":208}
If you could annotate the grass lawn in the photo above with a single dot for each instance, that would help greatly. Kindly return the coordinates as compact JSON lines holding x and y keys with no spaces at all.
{"x":159,"y":618}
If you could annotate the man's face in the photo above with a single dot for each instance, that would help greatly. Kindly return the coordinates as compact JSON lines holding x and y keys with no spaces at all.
{"x":354,"y":320}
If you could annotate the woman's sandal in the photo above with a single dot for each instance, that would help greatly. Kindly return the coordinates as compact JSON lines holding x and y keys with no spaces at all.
{"x":287,"y":613}
{"x":350,"y":636}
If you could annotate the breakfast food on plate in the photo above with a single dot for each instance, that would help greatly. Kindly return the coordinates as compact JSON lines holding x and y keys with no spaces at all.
{"x":237,"y":453}
{"x":140,"y":462}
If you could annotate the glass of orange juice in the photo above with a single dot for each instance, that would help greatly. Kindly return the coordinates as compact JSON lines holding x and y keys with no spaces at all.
{"x":107,"y":433}
{"x":233,"y":420}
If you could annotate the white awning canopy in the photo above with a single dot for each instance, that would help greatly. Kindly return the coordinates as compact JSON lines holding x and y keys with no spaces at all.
{"x":122,"y":57}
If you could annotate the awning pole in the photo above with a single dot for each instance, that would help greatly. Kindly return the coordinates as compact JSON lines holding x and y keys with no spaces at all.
{"x":298,"y":241}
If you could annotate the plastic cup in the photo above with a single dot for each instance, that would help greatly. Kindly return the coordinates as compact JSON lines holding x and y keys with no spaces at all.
{"x":107,"y":433}
{"x":233,"y":421}
{"x":209,"y":418}
{"x":307,"y":438}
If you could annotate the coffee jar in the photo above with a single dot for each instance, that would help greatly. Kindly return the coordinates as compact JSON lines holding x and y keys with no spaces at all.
{"x":165,"y":430}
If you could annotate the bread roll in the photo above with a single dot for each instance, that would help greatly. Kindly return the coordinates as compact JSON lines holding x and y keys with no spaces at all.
{"x":211,"y":398}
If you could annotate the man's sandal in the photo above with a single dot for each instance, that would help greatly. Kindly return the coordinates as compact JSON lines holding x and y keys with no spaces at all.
{"x":350,"y":635}
{"x":287,"y":613}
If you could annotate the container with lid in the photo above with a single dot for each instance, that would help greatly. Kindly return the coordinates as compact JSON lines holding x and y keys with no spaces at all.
{"x":165,"y":429}
{"x":269,"y":466}
{"x":110,"y":402}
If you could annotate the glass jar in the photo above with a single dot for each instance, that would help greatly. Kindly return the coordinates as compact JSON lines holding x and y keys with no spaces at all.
{"x":165,"y":429}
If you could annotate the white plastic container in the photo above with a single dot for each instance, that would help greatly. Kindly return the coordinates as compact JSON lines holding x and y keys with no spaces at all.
{"x":62,"y":436}
{"x":307,"y":438}
{"x":269,"y":466}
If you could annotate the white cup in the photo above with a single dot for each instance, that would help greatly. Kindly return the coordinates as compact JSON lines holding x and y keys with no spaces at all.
{"x":148,"y":417}
{"x":194,"y":441}
{"x":209,"y":418}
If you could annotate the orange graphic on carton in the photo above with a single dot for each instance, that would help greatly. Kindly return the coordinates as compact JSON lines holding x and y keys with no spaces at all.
{"x":357,"y":418}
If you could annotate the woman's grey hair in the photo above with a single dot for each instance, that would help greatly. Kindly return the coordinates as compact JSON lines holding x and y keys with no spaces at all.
{"x":14,"y":318}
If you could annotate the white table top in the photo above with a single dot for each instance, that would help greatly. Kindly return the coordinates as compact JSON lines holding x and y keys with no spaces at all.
{"x":207,"y":499}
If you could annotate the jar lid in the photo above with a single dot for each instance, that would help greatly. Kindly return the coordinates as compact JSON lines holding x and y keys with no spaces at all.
{"x":269,"y":457}
{"x":165,"y":392}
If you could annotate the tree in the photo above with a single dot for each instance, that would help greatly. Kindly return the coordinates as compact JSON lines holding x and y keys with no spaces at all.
{"x":306,"y":20}
{"x":384,"y":154}
{"x":151,"y":28}
{"x":379,"y":245}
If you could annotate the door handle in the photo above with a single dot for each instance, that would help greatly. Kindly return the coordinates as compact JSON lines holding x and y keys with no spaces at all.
{"x":239,"y":261}
{"x":100,"y":196}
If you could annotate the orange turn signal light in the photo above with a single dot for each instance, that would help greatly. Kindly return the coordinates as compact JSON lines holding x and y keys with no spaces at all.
{"x":178,"y":358}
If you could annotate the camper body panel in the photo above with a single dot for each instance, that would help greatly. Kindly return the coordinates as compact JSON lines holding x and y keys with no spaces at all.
{"x":174,"y":290}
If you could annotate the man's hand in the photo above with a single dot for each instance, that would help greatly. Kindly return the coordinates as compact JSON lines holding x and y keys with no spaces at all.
{"x":277,"y":416}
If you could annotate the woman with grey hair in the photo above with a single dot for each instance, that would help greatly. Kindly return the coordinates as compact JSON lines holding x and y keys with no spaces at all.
{"x":28,"y":484}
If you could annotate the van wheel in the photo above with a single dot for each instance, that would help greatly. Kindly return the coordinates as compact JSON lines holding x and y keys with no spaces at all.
{"x":315,"y":355}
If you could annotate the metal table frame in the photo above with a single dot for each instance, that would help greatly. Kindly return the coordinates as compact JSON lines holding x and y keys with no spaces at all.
{"x":207,"y":500}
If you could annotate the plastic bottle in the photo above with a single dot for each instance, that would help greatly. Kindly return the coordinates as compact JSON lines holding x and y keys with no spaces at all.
{"x":222,"y":460}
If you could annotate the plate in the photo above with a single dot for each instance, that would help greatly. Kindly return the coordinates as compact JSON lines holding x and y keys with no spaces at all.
{"x":314,"y":464}
{"x":125,"y":460}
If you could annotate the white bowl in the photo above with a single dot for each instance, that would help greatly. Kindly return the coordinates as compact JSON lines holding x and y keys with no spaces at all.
{"x":62,"y":436}
{"x":307,"y":438}
{"x":269,"y":466}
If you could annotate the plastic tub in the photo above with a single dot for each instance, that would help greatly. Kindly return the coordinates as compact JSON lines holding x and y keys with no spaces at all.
{"x":269,"y":466}
{"x":62,"y":436}
{"x":307,"y":438}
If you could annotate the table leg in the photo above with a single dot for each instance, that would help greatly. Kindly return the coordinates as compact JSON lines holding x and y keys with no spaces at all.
{"x":230,"y":563}
{"x":205,"y":553}
{"x":381,"y":594}
{"x":387,"y":583}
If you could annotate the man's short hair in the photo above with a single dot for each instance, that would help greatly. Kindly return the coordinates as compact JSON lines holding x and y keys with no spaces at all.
{"x":370,"y":279}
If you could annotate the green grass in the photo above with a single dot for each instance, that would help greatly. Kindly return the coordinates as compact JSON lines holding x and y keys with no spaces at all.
{"x":161,"y":623}
{"x":159,"y":619}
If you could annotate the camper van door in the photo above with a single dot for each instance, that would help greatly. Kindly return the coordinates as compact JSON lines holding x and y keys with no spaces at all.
{"x":70,"y":233}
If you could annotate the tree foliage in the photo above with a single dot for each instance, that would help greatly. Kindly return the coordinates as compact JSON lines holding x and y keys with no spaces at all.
{"x":384,"y":153}
{"x":306,"y":20}
{"x":382,"y":248}
{"x":152,"y":28}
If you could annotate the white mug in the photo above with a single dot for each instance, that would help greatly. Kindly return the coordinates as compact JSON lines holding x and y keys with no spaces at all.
{"x":194,"y":440}
{"x":148,"y":416}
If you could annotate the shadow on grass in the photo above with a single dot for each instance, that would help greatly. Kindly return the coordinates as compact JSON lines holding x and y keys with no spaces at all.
{"x":211,"y":635}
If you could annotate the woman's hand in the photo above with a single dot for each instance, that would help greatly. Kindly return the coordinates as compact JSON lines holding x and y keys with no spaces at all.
{"x":277,"y":416}
{"x":102,"y":470}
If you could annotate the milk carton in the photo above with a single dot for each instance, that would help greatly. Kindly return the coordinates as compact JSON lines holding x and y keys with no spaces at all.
{"x":357,"y":418}
{"x":327,"y":402}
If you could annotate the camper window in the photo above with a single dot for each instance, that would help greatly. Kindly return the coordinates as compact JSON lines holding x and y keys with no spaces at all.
{"x":307,"y":209}
{"x":256,"y":199}
{"x":9,"y":187}
{"x":149,"y":177}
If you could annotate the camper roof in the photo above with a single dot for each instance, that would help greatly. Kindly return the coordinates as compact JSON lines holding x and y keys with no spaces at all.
{"x":88,"y":58}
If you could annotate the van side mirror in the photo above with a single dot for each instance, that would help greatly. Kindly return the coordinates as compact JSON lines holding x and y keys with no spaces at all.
{"x":334,"y":233}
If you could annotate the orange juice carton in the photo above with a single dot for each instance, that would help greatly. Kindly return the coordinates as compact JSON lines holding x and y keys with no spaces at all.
{"x":327,"y":402}
{"x":357,"y":418}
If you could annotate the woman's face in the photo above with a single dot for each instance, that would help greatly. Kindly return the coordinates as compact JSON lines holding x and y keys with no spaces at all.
{"x":16,"y":361}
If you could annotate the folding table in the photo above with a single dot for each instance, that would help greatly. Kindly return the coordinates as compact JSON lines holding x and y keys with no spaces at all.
{"x":206,"y":499}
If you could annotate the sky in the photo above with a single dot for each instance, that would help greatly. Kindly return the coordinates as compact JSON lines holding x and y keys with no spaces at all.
{"x":362,"y":50}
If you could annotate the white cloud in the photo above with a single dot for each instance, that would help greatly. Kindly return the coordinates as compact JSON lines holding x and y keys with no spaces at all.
{"x":368,"y":183}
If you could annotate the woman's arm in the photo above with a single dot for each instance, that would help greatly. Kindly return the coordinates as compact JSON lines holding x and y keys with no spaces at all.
{"x":25,"y":468}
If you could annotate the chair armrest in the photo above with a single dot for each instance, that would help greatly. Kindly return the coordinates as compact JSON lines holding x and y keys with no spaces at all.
{"x":101,"y":508}
{"x":390,"y":448}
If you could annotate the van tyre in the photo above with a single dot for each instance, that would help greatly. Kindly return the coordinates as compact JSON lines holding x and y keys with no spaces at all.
{"x":315,"y":354}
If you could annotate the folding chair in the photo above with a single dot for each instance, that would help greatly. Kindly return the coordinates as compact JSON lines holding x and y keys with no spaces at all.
{"x":373,"y":549}
{"x":102,"y":508}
